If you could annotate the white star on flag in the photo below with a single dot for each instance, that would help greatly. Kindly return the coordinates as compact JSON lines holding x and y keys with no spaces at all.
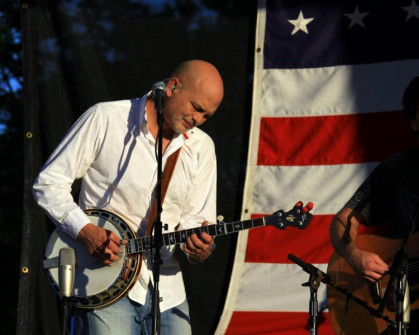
{"x":300,"y":23}
{"x":412,"y":10}
{"x":356,"y":18}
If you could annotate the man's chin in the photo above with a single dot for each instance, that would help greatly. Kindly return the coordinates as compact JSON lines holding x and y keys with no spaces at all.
{"x":181,"y":130}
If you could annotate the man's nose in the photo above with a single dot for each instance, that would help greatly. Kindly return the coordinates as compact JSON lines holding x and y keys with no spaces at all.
{"x":198,"y":119}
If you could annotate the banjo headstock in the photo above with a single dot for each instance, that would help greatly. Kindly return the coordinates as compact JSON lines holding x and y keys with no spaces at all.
{"x":298,"y":217}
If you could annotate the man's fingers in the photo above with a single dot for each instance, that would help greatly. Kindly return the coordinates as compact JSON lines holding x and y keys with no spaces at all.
{"x":190,"y":244}
{"x":201,"y":240}
{"x":206,"y":238}
{"x":115,"y":239}
{"x":114,"y":246}
{"x":108,"y":252}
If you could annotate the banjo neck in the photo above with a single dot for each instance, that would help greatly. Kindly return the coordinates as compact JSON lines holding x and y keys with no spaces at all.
{"x":297,"y":217}
{"x":145,"y":244}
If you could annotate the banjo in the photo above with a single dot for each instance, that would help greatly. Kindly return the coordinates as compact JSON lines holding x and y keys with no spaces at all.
{"x":97,"y":285}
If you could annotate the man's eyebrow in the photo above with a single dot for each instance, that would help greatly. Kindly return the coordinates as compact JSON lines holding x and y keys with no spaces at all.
{"x":202,"y":110}
{"x":197,"y":106}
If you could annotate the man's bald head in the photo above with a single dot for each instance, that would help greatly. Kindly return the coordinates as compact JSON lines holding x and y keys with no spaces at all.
{"x":201,"y":75}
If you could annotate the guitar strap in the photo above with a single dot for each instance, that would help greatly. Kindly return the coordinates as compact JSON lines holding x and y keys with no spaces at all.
{"x":167,"y":175}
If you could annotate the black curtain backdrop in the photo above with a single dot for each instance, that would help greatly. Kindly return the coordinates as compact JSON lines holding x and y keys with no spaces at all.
{"x":78,"y":53}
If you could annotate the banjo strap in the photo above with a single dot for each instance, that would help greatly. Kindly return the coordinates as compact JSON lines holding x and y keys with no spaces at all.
{"x":167,"y":175}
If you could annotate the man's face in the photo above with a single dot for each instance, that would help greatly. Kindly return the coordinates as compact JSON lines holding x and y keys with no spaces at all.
{"x":187,"y":107}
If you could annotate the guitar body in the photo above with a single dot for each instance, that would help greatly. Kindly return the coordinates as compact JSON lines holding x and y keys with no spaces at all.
{"x":95,"y":284}
{"x":350,"y":318}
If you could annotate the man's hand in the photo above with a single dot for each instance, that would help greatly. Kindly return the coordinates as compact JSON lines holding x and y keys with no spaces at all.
{"x":199,"y":248}
{"x":343,"y":234}
{"x":101,"y":243}
{"x":368,"y":264}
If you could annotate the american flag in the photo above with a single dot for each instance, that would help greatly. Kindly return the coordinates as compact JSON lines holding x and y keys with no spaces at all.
{"x":328,"y":81}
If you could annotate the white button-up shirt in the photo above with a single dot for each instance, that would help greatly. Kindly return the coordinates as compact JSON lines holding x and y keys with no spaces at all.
{"x":111,"y":149}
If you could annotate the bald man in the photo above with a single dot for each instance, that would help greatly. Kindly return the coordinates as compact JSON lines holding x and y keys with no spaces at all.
{"x":112,"y":148}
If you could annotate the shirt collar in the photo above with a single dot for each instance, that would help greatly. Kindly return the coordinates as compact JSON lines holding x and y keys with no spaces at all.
{"x":178,"y":139}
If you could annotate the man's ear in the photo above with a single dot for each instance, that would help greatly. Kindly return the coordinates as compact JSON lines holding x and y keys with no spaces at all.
{"x":172,"y":85}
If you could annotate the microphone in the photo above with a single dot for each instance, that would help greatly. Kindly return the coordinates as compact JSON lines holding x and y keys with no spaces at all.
{"x":310,"y":269}
{"x":66,"y":269}
{"x":158,"y":88}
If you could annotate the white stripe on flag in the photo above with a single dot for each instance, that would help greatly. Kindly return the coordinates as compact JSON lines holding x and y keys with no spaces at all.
{"x":281,"y":186}
{"x":335,"y":90}
{"x":267,"y":289}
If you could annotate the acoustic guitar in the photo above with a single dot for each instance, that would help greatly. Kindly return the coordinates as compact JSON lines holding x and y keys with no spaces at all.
{"x":97,"y":285}
{"x":349,"y":318}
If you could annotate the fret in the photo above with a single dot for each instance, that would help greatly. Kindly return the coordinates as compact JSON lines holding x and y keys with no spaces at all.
{"x":237,"y":226}
{"x":248,"y":224}
{"x":212,"y":230}
{"x":165,"y":239}
{"x":259,"y":222}
{"x":183,"y":235}
{"x":177,"y":237}
{"x":220,"y":229}
{"x":229,"y":227}
{"x":172,"y":239}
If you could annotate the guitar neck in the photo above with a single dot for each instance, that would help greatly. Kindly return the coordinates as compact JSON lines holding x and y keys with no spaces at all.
{"x":142,"y":244}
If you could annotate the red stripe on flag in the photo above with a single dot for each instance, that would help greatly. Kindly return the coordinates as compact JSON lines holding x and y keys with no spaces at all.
{"x":335,"y":139}
{"x":271,"y":245}
{"x":273,"y":323}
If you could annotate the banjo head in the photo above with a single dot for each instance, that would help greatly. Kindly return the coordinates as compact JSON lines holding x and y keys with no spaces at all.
{"x":95,"y":284}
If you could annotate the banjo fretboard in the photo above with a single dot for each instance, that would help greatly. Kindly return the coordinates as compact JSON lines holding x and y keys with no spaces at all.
{"x":143,"y":244}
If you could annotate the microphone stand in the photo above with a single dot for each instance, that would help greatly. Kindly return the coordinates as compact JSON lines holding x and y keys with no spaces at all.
{"x":401,"y":294}
{"x":157,"y":238}
{"x":65,"y":315}
{"x":317,"y":276}
{"x":314,"y":284}
{"x":401,"y":288}
{"x":398,"y":277}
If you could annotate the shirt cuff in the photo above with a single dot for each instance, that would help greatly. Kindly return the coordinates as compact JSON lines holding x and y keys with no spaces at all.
{"x":75,"y":220}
